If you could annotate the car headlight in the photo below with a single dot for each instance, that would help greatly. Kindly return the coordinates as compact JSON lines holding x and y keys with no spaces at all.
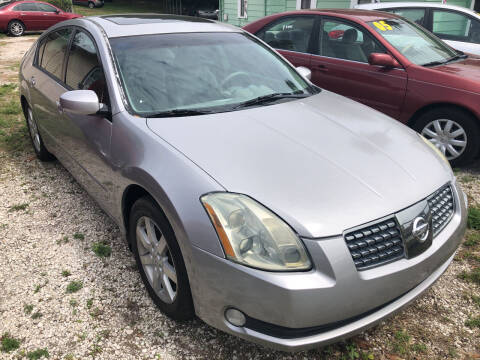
{"x":439,"y":153}
{"x":254,"y":236}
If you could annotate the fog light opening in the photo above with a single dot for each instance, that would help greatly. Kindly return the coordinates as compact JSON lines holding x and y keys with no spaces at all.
{"x":235,"y":317}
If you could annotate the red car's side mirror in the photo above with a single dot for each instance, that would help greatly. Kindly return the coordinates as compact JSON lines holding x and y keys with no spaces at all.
{"x":385,"y":60}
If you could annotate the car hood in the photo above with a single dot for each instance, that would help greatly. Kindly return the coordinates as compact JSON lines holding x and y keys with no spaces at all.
{"x":324,"y":163}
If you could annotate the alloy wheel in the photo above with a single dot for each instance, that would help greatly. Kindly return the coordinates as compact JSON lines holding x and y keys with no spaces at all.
{"x":156,"y":259}
{"x":16,"y":29}
{"x":448,"y":136}
{"x":32,"y":127}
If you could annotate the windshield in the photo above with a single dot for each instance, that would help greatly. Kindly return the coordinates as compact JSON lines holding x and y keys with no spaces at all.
{"x":413,"y":42}
{"x":201,"y":71}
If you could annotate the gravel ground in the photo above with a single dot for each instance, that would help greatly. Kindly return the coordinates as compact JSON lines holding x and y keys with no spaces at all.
{"x":48,"y":225}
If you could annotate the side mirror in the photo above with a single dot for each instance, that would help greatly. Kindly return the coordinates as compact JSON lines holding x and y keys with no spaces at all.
{"x":385,"y":60}
{"x":305,"y":72}
{"x":81,"y":102}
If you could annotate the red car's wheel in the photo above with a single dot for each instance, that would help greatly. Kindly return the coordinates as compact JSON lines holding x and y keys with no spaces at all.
{"x":16,"y":28}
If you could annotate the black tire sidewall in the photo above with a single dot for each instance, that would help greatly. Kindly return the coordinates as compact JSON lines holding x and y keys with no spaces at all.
{"x":464,"y":119}
{"x":91,"y":5}
{"x":182,"y":307}
{"x":13,"y":22}
{"x":43,"y":154}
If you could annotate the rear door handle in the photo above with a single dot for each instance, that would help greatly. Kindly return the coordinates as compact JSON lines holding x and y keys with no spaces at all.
{"x":33,"y":81}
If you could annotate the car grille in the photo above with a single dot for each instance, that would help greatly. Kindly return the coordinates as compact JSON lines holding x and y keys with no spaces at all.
{"x":375,"y":244}
{"x":442,"y":207}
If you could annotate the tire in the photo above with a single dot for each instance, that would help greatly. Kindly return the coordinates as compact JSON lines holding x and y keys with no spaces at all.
{"x":91,"y":5}
{"x":16,"y":28}
{"x":155,"y":260}
{"x":38,"y":146}
{"x":450,"y":128}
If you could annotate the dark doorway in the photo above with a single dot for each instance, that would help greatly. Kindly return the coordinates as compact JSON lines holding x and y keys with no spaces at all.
{"x":476,"y":7}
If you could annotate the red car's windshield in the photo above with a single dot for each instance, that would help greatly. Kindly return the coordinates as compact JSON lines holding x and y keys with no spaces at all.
{"x":413,"y":42}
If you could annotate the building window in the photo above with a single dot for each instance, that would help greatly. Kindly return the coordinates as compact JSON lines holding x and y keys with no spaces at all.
{"x":242,"y":9}
{"x":305,"y":4}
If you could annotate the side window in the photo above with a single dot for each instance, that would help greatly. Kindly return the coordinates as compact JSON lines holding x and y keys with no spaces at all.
{"x":475,"y":32}
{"x":46,"y":8}
{"x":26,"y":7}
{"x":451,"y":25}
{"x":345,"y":41}
{"x":52,"y":52}
{"x":416,"y":15}
{"x":84,"y":71}
{"x":292,"y":33}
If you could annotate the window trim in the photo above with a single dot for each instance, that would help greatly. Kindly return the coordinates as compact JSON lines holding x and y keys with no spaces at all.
{"x":99,"y":59}
{"x":353,"y":24}
{"x":245,"y":9}
{"x":451,"y":37}
{"x":43,"y":38}
{"x":310,"y":46}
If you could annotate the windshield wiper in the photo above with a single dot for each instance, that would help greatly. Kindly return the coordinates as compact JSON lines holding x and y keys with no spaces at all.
{"x":178,"y":112}
{"x":453,"y":58}
{"x":271,"y":97}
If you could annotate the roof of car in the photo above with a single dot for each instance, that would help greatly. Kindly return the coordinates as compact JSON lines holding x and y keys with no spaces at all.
{"x":358,"y":14}
{"x":146,"y":24}
{"x":406,"y":4}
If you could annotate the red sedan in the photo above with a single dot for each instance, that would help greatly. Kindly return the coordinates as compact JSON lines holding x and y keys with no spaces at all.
{"x":387,"y":63}
{"x":20,"y":16}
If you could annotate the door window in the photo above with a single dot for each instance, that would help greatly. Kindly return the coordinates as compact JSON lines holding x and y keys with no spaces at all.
{"x":52,"y":52}
{"x":345,"y":41}
{"x":84,"y":71}
{"x":416,"y":15}
{"x":292,"y":33}
{"x":46,"y":8}
{"x":452,"y":25}
{"x":26,"y":7}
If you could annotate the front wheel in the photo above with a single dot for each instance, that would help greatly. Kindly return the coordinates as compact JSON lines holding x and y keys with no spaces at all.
{"x":160,"y":260}
{"x":16,"y":28}
{"x":454,"y":132}
{"x":91,"y":5}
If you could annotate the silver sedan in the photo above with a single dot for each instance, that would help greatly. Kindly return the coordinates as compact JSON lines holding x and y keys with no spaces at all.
{"x":273,"y":210}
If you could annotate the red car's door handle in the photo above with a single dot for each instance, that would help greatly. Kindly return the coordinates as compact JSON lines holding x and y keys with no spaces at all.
{"x":321,"y":68}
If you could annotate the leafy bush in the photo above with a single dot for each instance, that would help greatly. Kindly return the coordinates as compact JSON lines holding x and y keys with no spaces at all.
{"x":65,"y":5}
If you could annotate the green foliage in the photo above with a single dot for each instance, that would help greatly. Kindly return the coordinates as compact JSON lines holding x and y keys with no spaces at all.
{"x":472,"y":239}
{"x":474,"y":218}
{"x":79,"y":236}
{"x":65,"y":5}
{"x":101,"y":249}
{"x":473,"y":322}
{"x":401,"y":343}
{"x":18,"y":207}
{"x":28,"y":308}
{"x":472,"y":276}
{"x":11,"y":108}
{"x":7,"y":88}
{"x":66,"y":273}
{"x":74,"y":286}
{"x":8,"y":343}
{"x":38,"y":354}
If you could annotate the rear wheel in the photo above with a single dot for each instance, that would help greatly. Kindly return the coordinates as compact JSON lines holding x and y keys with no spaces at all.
{"x":454,"y":132}
{"x":160,"y":260}
{"x":40,"y":150}
{"x":16,"y":28}
{"x":91,"y":5}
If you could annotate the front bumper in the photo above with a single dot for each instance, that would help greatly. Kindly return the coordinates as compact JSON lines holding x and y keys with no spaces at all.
{"x":333,"y":301}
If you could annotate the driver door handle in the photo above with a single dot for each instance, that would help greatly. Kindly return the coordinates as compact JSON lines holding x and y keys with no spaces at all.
{"x":33,"y":81}
{"x":321,"y":67}
{"x":59,"y":107}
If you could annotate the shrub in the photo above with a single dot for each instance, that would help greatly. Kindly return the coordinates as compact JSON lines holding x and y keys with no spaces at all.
{"x":65,"y":5}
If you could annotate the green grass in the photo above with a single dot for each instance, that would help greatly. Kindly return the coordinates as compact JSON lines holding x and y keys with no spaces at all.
{"x":472,"y":239}
{"x":474,"y":218}
{"x":473,"y":322}
{"x":8,"y":343}
{"x":476,"y":300}
{"x":18,"y":207}
{"x":28,"y":308}
{"x":11,"y":108}
{"x":38,"y":354}
{"x":66,"y":273}
{"x":101,"y":249}
{"x":89,"y":303}
{"x":471,"y":276}
{"x":37,"y":315}
{"x":6,"y":89}
{"x":121,"y":7}
{"x":74,"y":286}
{"x":79,"y":236}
